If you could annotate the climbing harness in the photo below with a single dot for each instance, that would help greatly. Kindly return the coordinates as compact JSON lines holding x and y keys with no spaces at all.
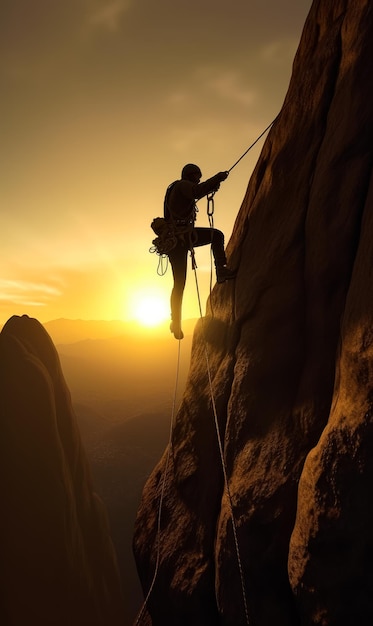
{"x":166,"y":239}
{"x":170,"y":231}
{"x":169,"y":234}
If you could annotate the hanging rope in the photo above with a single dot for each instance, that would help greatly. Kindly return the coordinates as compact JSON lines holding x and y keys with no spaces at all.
{"x":161,"y":270}
{"x":164,"y":477}
{"x":161,"y":497}
{"x":234,"y":527}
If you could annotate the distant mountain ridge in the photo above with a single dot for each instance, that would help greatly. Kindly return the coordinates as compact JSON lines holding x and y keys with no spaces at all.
{"x":119,"y":369}
{"x":65,"y":330}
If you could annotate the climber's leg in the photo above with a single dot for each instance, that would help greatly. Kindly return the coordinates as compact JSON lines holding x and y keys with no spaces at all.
{"x":203,"y":236}
{"x":178,"y":260}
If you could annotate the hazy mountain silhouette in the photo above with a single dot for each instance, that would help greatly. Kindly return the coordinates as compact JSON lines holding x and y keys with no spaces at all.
{"x":57,"y":564}
{"x":64,"y":330}
{"x":120,"y":375}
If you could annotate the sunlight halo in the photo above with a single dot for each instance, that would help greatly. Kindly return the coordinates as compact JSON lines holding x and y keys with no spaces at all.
{"x":150,"y":308}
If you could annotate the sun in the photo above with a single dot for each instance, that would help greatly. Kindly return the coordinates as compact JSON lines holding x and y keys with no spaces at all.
{"x":150,"y":308}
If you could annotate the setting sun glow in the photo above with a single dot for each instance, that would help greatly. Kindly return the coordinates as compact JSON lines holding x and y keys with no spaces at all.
{"x":150,"y":309}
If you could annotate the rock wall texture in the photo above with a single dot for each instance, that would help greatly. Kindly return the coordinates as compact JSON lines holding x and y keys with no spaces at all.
{"x":57,"y":563}
{"x":289,"y":346}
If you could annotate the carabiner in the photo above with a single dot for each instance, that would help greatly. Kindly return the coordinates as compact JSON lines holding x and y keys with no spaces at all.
{"x":210,"y":204}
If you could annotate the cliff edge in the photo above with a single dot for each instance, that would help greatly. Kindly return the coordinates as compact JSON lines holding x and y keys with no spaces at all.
{"x":289,"y":348}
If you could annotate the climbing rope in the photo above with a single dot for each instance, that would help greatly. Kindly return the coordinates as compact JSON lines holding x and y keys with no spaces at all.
{"x":161,"y":270}
{"x":163,"y":256}
{"x":224,"y":468}
{"x":253,"y":144}
{"x":162,"y":492}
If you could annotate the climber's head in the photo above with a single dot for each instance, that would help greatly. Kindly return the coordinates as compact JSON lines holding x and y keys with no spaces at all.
{"x":191,"y":172}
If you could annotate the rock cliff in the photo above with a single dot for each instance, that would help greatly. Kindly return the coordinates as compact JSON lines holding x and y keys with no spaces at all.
{"x":57,"y":565}
{"x":289,"y":349}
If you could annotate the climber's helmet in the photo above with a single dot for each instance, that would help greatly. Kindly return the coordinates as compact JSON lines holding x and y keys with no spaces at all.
{"x":191,"y":172}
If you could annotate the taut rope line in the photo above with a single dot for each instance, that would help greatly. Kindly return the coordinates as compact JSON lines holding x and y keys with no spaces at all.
{"x":252,"y":145}
{"x":161,"y":270}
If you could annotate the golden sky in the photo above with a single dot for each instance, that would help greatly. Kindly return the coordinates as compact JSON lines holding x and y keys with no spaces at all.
{"x":103,"y":102}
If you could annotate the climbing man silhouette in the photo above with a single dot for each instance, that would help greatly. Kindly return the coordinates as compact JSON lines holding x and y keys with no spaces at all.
{"x":180,"y":210}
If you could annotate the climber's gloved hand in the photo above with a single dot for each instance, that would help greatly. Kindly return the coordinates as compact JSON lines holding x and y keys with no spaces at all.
{"x":223,"y":175}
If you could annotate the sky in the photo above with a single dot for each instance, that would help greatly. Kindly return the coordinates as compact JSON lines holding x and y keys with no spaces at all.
{"x":103,"y":102}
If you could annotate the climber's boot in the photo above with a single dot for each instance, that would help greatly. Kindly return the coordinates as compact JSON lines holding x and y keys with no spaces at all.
{"x":224,"y":273}
{"x":175,"y":328}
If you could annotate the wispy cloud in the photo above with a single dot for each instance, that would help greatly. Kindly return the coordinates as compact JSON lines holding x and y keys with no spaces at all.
{"x":280,"y":52}
{"x":27,"y":293}
{"x":231,"y":86}
{"x":107,"y":14}
{"x":228,"y":86}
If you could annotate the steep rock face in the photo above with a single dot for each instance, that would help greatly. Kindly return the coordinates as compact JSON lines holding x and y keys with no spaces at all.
{"x":57,"y":564}
{"x":289,"y":349}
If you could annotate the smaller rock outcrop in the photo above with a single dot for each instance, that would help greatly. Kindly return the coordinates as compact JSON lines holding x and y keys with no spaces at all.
{"x":58,"y":565}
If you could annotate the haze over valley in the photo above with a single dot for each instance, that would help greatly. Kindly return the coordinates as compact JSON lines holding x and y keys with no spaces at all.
{"x":122,"y":381}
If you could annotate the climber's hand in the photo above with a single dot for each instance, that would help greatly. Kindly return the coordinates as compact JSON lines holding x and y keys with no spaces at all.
{"x":223,"y":175}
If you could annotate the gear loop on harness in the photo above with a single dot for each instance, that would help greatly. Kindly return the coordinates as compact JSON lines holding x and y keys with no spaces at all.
{"x":169,"y":235}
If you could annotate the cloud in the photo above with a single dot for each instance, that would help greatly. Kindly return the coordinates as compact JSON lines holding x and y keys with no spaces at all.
{"x":41,"y":39}
{"x":27,"y":293}
{"x":210,"y":89}
{"x":230,"y":85}
{"x":280,"y":52}
{"x":107,"y":15}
